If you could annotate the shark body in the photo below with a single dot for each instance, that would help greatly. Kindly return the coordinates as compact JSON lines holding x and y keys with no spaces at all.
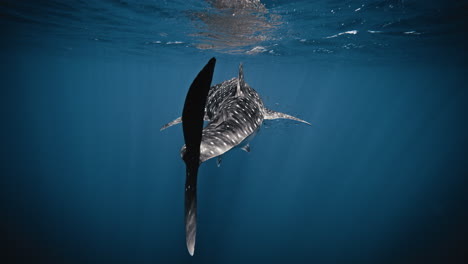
{"x":235,"y":112}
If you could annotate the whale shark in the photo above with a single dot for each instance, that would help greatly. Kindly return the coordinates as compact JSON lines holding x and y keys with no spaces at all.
{"x":234,"y":112}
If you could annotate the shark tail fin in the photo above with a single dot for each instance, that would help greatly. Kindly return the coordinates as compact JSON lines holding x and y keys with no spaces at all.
{"x":192,"y":125}
{"x":270,"y":114}
{"x":240,"y":81}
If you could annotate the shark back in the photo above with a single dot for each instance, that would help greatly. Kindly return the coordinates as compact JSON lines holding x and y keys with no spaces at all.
{"x":237,"y":119}
{"x":216,"y":96}
{"x":235,"y":111}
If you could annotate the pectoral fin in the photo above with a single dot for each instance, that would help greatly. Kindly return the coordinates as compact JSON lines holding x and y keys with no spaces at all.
{"x":174,"y":122}
{"x":270,"y":114}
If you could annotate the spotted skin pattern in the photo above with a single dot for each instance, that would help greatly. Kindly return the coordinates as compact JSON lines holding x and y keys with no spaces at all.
{"x":234,"y":112}
{"x":235,"y":120}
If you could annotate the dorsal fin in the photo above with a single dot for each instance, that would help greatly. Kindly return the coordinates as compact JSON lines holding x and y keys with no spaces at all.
{"x":240,"y":81}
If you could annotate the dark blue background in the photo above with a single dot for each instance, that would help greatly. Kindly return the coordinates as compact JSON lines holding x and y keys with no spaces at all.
{"x":87,"y":177}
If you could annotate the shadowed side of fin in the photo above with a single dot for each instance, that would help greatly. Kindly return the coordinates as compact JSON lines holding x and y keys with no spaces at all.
{"x":270,"y":114}
{"x":192,"y":124}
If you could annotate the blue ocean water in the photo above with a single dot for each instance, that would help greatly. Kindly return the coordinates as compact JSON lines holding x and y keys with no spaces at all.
{"x":379,"y":177}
